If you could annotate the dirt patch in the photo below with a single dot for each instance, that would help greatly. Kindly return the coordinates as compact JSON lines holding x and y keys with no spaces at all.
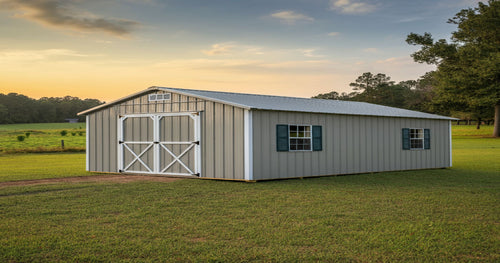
{"x":113,"y":178}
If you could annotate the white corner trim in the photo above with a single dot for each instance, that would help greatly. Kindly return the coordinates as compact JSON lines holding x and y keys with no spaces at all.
{"x":119,"y":145}
{"x":87,"y":143}
{"x":451,"y":154}
{"x":197,"y":137}
{"x":248,"y":137}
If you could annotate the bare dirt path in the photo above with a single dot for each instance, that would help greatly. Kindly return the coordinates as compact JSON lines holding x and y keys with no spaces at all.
{"x":114,"y":178}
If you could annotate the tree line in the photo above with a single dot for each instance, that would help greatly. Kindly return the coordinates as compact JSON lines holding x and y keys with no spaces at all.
{"x":466,"y":82}
{"x":18,"y":108}
{"x":380,"y":89}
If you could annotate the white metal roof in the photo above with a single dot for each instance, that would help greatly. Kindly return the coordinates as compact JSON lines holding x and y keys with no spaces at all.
{"x":280,"y":103}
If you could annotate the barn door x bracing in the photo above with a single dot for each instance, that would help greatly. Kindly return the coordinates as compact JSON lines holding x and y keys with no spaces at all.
{"x":167,"y":143}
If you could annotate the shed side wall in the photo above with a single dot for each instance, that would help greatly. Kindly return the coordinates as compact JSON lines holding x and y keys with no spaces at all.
{"x":222,"y":143}
{"x":351,"y":144}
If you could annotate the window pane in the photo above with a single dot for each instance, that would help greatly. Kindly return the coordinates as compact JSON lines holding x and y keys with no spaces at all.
{"x":300,"y":147}
{"x":293,"y":128}
{"x":293,"y":147}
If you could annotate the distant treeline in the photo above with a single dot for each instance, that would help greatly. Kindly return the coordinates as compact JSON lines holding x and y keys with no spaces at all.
{"x":18,"y":108}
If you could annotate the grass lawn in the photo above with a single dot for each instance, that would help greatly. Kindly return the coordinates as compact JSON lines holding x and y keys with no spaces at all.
{"x":43,"y":137}
{"x":41,"y":166}
{"x":430,"y":215}
{"x":468,"y":131}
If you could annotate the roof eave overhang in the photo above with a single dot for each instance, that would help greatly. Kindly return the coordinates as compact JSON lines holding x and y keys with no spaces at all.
{"x":156,"y":88}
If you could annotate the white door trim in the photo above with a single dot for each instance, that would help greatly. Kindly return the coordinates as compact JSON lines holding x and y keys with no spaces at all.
{"x":158,"y":146}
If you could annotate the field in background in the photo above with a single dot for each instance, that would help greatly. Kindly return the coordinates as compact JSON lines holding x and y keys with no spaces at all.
{"x":43,"y":137}
{"x":17,"y":167}
{"x":438,"y":215}
{"x":466,"y":131}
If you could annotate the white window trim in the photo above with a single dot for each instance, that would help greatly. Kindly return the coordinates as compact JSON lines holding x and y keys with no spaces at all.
{"x":422,"y":139}
{"x":310,"y":138}
{"x":155,"y":95}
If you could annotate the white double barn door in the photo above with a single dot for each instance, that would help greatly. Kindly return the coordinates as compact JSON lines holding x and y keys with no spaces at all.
{"x":165,"y":144}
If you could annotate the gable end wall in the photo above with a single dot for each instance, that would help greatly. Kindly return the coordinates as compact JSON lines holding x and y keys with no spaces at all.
{"x":221,"y":133}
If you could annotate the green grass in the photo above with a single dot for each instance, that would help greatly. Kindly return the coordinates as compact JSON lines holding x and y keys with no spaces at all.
{"x":17,"y":167}
{"x":44,"y":137}
{"x":42,"y":126}
{"x":438,"y":215}
{"x":466,"y":131}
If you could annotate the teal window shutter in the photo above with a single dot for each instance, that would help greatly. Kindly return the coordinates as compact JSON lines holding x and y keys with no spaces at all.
{"x":406,"y":138}
{"x":317,"y":138}
{"x":282,"y":138}
{"x":427,"y":139}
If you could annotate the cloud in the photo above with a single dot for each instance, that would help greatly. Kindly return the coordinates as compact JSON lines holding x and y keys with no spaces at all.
{"x":219,"y":49}
{"x":231,"y":48}
{"x":309,"y":52}
{"x":291,"y":17}
{"x":333,"y":34}
{"x":63,"y":14}
{"x":350,"y":7}
{"x":37,"y":55}
{"x":371,"y":50}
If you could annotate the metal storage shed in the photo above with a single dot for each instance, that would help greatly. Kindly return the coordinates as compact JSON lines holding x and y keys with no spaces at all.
{"x":222,"y":135}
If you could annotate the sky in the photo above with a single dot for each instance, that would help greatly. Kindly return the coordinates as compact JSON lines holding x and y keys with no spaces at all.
{"x":107,"y":49}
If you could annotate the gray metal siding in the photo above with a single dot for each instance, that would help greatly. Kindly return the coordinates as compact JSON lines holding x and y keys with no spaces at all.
{"x":351,"y":144}
{"x":222,"y":142}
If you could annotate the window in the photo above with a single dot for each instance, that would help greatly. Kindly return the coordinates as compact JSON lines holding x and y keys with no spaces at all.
{"x":300,"y":138}
{"x":416,"y":138}
{"x":159,"y":97}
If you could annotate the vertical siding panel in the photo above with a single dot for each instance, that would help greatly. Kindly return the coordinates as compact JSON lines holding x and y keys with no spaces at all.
{"x":386,"y":143}
{"x":356,"y":151}
{"x":210,"y":140}
{"x":396,"y":142}
{"x":113,"y":139}
{"x":183,"y":103}
{"x":265,"y":145}
{"x":274,"y":158}
{"x":92,"y":142}
{"x":99,"y":141}
{"x":434,"y":132}
{"x":444,"y":145}
{"x":362,"y":144}
{"x":105,"y":140}
{"x":229,"y":142}
{"x":258,"y":142}
{"x":330,"y":144}
{"x":219,"y":140}
{"x":343,"y":144}
{"x":337,"y":152}
{"x":322,"y":160}
{"x":239,"y":164}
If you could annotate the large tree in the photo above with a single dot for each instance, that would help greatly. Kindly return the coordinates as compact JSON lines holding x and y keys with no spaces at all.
{"x":468,"y":67}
